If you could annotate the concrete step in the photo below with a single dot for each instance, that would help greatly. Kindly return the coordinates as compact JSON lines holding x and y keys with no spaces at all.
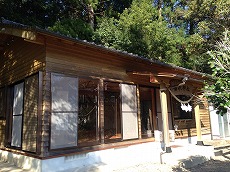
{"x":222,"y":151}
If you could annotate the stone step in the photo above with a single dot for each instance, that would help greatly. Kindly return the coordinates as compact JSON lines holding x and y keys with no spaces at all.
{"x":222,"y":151}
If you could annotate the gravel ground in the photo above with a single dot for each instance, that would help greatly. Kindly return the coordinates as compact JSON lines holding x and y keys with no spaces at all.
{"x":217,"y":164}
{"x":148,"y":167}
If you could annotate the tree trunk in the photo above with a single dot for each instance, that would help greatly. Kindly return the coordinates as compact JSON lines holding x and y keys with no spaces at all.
{"x":90,"y":15}
{"x":159,"y":6}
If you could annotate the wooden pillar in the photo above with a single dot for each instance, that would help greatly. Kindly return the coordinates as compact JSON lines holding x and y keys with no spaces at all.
{"x":101,"y":111}
{"x":198,"y":125}
{"x":164,"y":111}
{"x":154,"y":109}
{"x":139,"y":112}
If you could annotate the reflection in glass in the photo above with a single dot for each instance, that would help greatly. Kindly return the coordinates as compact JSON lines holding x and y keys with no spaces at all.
{"x":16,"y":139}
{"x":64,"y":111}
{"x":64,"y":129}
{"x":129,"y":111}
{"x":16,"y":131}
{"x":18,"y":99}
{"x":64,"y":93}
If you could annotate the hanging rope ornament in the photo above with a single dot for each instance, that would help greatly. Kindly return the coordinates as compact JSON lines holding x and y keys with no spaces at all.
{"x":188,"y":107}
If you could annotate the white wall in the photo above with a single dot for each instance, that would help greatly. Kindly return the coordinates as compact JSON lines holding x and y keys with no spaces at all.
{"x":220,"y":125}
{"x":214,"y":119}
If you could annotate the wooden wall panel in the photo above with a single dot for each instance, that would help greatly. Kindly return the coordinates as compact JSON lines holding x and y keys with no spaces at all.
{"x":2,"y":133}
{"x":188,"y":127}
{"x":30,"y":118}
{"x":46,"y":113}
{"x":87,"y":61}
{"x":77,"y":64}
{"x":20,"y":59}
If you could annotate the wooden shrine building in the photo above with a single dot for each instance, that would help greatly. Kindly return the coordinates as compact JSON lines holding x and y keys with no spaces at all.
{"x":68,"y":101}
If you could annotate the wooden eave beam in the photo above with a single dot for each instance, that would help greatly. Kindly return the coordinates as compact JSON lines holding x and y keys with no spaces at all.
{"x":143,"y":73}
{"x":155,"y":77}
{"x":26,"y":34}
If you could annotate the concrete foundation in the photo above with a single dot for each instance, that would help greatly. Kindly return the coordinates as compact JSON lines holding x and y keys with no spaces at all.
{"x":185,"y":152}
{"x":124,"y":156}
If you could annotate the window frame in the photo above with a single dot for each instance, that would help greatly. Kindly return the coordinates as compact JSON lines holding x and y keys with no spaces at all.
{"x":78,"y":145}
{"x":4,"y":102}
{"x":12,"y":115}
{"x":9,"y":113}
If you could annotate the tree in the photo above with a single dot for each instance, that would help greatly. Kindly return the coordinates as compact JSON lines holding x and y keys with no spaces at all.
{"x":204,"y":20}
{"x":138,"y":30}
{"x":75,"y":28}
{"x":34,"y":13}
{"x":218,"y":91}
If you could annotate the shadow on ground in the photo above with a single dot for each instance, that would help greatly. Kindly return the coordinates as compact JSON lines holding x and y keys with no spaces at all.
{"x":209,"y":166}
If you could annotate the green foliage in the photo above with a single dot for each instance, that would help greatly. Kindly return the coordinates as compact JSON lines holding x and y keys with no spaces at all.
{"x":73,"y":28}
{"x":139,"y":31}
{"x":177,"y":32}
{"x":218,"y":91}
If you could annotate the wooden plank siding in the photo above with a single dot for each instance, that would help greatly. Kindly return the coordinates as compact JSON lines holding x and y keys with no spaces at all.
{"x":21,"y":59}
{"x":30,"y":117}
{"x":46,"y":114}
{"x":75,"y":64}
{"x":2,"y":133}
{"x":204,"y":116}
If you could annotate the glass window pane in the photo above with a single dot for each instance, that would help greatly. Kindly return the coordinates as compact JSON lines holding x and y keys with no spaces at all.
{"x":18,"y":99}
{"x":130,"y":125}
{"x":64,"y":108}
{"x":63,"y":130}
{"x":88,"y":108}
{"x":129,"y":100}
{"x":64,"y":93}
{"x":129,"y":111}
{"x":16,"y":131}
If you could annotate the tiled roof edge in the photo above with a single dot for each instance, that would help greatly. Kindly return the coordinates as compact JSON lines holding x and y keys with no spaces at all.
{"x":48,"y":32}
